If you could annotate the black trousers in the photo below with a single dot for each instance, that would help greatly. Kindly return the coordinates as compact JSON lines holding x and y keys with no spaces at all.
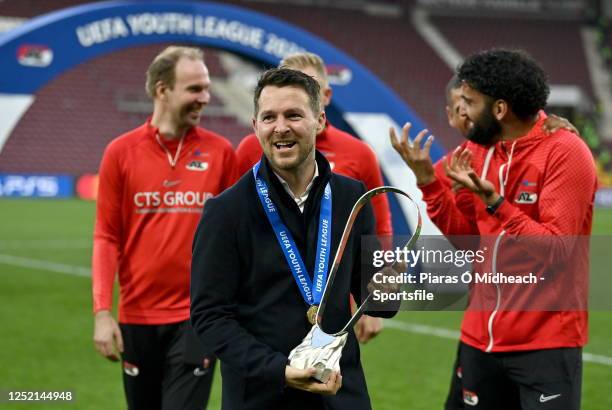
{"x":163,"y":368}
{"x":454,"y":400}
{"x":547,"y":379}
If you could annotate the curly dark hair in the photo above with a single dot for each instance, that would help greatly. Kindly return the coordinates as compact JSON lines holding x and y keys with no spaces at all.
{"x":509,"y":75}
{"x":284,"y":77}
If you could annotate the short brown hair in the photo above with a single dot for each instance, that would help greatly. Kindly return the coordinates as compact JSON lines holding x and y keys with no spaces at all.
{"x":162,"y":67}
{"x":302,"y":60}
{"x":286,"y":77}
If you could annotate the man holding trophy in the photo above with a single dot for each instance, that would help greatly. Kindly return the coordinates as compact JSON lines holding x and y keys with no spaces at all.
{"x":261,"y":258}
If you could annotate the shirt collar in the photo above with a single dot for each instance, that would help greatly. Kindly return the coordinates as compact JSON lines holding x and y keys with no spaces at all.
{"x":300,"y":200}
{"x":153,"y":130}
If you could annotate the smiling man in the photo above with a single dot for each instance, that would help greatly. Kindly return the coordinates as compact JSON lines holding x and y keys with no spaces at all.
{"x":254,"y":257}
{"x":347,"y":155}
{"x":154,"y":182}
{"x":528,"y":187}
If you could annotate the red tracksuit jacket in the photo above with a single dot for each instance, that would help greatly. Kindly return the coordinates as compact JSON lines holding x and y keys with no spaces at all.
{"x":147,"y":213}
{"x":549,"y":183}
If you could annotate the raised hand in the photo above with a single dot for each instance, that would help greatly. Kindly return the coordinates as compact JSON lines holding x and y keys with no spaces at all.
{"x":414,"y":156}
{"x":459,"y":167}
{"x":460,"y":170}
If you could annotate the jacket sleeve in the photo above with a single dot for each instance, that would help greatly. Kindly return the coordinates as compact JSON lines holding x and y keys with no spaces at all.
{"x":565,"y":202}
{"x":453,"y":213}
{"x":215,"y":280}
{"x":107,"y":231}
{"x":372,"y":178}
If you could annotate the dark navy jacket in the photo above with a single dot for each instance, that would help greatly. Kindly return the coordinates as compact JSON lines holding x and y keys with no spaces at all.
{"x":245,"y":304}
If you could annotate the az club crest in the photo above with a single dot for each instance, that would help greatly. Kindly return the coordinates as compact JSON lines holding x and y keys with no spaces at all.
{"x":196,"y":165}
{"x":34,"y":55}
{"x":526,"y":198}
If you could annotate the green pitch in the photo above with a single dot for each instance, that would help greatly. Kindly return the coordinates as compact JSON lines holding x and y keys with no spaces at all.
{"x":46,"y":340}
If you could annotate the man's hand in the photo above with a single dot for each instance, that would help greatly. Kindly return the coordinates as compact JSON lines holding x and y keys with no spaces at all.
{"x":302,"y":380}
{"x":414,"y":156}
{"x":367,"y":328}
{"x":552,"y":123}
{"x":460,"y":171}
{"x":382,"y":284}
{"x":107,"y":336}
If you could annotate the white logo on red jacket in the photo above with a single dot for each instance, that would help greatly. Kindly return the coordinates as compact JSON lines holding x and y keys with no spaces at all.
{"x":526,"y":198}
{"x":196,"y":165}
{"x":169,"y":199}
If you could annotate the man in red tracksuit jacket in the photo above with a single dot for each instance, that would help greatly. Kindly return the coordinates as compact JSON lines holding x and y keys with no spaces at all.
{"x":533,"y":192}
{"x":154,"y":183}
{"x":347,"y":155}
{"x":458,"y":120}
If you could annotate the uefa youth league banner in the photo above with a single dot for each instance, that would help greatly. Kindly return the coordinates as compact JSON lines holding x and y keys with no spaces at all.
{"x":35,"y":53}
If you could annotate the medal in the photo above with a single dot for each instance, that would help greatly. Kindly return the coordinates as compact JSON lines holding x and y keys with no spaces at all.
{"x":311,"y":314}
{"x":311,"y":289}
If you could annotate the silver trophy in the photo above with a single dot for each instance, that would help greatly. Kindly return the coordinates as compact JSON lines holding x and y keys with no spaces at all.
{"x":321,"y":350}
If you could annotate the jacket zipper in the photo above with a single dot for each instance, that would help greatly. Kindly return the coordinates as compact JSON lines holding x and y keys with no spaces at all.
{"x":498,"y":302}
{"x":502,"y":186}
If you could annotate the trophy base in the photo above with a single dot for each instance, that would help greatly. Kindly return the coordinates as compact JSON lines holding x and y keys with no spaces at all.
{"x":320,"y":351}
{"x":322,"y":373}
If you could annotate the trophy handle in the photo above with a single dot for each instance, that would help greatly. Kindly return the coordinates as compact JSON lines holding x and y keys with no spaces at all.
{"x":365,"y":198}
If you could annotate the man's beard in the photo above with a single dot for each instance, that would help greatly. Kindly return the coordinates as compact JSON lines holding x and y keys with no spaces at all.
{"x":484,"y":129}
{"x":304,"y":151}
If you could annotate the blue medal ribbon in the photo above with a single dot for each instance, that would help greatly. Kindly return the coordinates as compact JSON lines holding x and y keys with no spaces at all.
{"x":311,"y":294}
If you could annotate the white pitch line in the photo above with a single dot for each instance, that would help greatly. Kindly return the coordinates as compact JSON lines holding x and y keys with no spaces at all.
{"x":46,"y":244}
{"x":45,"y":265}
{"x":423,"y":329}
{"x":454,"y":335}
{"x":595,"y":358}
{"x":394,"y":324}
